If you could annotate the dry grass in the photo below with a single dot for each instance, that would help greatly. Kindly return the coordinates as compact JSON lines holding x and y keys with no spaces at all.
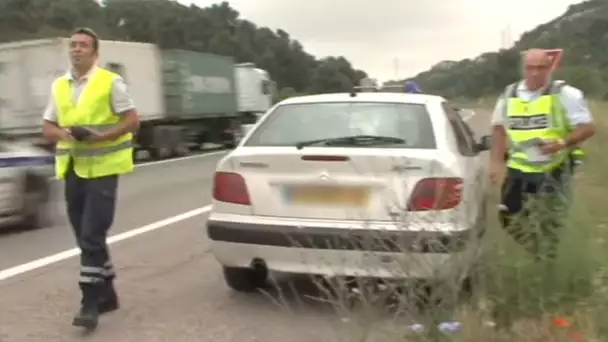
{"x":517,"y":299}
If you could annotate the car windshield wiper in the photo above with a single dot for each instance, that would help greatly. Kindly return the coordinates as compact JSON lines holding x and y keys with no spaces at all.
{"x":353,"y":140}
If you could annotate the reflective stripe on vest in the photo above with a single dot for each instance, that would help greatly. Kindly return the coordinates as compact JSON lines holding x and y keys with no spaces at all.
{"x":87,"y":152}
{"x":93,"y":110}
{"x":531,"y":122}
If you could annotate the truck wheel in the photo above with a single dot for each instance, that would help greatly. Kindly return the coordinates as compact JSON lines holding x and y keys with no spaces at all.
{"x":160,"y":146}
{"x":182,"y":150}
{"x":229,"y":145}
{"x":231,"y":140}
{"x":35,"y":199}
{"x":244,"y":279}
{"x":160,"y":152}
{"x":180,"y":142}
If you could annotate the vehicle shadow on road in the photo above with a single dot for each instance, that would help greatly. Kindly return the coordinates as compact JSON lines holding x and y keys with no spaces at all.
{"x":16,"y":229}
{"x":348,"y":312}
{"x":292,"y":293}
{"x":314,"y":295}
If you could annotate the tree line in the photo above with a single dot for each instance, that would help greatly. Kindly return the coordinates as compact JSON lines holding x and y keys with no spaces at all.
{"x":215,"y":29}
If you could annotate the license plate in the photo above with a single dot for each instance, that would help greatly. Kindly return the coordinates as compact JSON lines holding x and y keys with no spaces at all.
{"x":347,"y":196}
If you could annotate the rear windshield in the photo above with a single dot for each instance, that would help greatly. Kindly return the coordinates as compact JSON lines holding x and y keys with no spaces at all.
{"x":290,"y":124}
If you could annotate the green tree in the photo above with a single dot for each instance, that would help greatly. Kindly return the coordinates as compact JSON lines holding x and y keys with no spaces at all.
{"x":215,"y":29}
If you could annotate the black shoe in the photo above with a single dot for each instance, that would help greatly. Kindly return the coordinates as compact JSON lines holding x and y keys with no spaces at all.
{"x":109,"y":302}
{"x":87,"y":317}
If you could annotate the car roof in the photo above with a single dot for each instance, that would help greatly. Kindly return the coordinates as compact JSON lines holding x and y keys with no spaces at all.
{"x":365,"y":97}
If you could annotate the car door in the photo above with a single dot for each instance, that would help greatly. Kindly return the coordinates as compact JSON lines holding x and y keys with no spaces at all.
{"x":472,"y":163}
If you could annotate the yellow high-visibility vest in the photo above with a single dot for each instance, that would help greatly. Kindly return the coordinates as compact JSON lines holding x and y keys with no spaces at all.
{"x":93,"y":110}
{"x":528,"y":122}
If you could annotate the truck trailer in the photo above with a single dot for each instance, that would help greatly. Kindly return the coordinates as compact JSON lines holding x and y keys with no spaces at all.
{"x":185,"y":99}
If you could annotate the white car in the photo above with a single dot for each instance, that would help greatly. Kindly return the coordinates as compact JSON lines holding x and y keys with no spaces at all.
{"x":25,"y":190}
{"x":379,"y":185}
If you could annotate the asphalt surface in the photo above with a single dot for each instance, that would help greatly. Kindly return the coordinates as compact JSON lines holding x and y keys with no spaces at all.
{"x":171,"y":288}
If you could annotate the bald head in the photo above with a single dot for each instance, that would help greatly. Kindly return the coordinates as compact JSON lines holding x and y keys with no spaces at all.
{"x":537,"y":57}
{"x":537,"y":68}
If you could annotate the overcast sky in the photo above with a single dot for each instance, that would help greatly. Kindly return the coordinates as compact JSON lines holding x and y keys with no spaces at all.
{"x":389,"y":38}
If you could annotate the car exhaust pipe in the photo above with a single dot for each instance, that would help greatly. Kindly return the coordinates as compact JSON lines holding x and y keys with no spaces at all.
{"x":259,"y":266}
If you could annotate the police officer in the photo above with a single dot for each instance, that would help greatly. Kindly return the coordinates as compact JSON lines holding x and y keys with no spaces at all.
{"x":91,"y":118}
{"x":539,"y":124}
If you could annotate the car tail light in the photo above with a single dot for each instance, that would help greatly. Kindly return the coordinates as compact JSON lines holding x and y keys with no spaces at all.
{"x":231,"y":188}
{"x":436,"y":194}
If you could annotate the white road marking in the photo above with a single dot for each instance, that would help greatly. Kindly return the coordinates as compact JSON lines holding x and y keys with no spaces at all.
{"x":55,"y":258}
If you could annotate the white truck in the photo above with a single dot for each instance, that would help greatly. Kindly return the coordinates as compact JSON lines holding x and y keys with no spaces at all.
{"x":255,"y":91}
{"x":184,"y":98}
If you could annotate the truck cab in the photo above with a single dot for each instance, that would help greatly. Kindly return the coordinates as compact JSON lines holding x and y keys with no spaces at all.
{"x":256,"y":90}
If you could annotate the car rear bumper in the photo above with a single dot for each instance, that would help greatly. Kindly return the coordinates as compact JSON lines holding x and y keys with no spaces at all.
{"x":331,"y":250}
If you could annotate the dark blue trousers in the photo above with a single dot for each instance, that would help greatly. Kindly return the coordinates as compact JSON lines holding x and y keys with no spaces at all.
{"x":533,"y":207}
{"x":91,"y":204}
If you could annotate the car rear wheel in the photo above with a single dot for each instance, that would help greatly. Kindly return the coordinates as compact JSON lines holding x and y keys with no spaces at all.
{"x":245,"y":279}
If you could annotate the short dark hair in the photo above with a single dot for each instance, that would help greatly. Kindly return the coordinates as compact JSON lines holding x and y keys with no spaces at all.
{"x":88,"y":32}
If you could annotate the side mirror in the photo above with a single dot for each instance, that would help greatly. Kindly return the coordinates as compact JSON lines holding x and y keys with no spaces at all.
{"x":485,"y":143}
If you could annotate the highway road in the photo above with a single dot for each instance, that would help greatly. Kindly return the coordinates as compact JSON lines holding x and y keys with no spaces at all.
{"x":171,"y":288}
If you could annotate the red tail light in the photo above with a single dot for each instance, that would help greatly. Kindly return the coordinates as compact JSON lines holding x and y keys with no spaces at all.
{"x":231,"y":188}
{"x":436,"y":194}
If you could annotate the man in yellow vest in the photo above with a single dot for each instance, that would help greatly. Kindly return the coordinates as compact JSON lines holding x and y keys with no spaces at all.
{"x":540,"y":124}
{"x":91,"y":118}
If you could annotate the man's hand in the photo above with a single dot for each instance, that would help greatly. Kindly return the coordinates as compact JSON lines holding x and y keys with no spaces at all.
{"x":498,"y":171}
{"x":552,"y":146}
{"x":87,"y":135}
{"x":53,"y":133}
{"x":64,"y":134}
